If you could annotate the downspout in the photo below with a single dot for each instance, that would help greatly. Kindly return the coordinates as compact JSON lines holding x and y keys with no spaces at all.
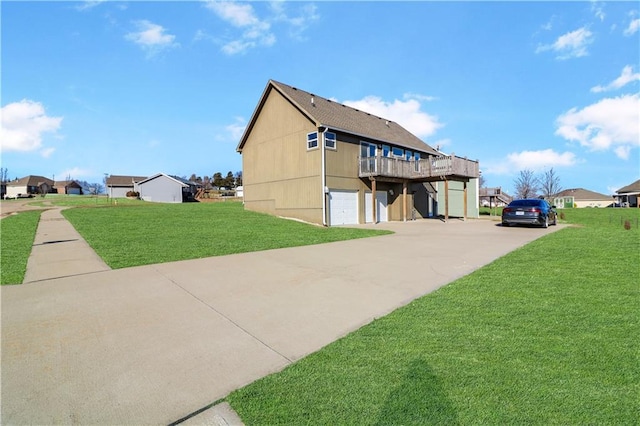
{"x":323,"y":174}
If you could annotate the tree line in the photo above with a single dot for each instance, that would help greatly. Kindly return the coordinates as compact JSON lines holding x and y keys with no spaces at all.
{"x":231,"y":180}
{"x":530,"y":185}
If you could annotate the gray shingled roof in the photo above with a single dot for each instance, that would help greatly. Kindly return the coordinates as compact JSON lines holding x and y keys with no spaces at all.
{"x":31,"y":180}
{"x":115,"y":180}
{"x":339,"y":117}
{"x":583,"y":194}
{"x":634,"y":187}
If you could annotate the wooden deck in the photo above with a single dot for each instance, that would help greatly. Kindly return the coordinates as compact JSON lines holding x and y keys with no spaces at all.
{"x":444,"y":167}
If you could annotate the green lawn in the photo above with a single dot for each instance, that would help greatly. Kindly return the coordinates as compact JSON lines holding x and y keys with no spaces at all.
{"x":150,"y":233}
{"x":16,"y":239}
{"x":548,"y":334}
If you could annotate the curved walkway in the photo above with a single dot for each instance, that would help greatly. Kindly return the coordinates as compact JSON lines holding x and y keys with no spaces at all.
{"x":152,"y":344}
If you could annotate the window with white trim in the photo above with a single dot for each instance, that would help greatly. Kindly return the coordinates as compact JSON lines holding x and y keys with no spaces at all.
{"x":330,"y":140}
{"x":312,"y":140}
{"x":397,"y":152}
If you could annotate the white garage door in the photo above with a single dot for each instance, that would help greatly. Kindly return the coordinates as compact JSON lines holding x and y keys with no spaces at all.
{"x":343,"y":207}
{"x":381,"y":206}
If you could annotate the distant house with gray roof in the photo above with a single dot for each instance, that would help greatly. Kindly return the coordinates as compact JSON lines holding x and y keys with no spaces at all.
{"x":69,"y":187}
{"x":163,"y":188}
{"x":580,"y":197}
{"x":628,"y":195}
{"x":29,"y":185}
{"x":314,"y":159}
{"x":119,"y":185}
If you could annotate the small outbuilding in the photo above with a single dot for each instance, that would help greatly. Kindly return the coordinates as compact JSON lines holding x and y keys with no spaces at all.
{"x":162,"y":188}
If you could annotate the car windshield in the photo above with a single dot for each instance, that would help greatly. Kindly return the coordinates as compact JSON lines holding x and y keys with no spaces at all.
{"x":526,"y":203}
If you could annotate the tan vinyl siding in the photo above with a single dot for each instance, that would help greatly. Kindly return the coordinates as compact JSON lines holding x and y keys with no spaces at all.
{"x":280,"y":175}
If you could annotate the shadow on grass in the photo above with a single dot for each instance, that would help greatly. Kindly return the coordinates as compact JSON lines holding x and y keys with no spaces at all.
{"x":420,"y":399}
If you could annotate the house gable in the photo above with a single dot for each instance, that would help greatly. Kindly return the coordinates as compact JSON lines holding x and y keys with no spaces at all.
{"x":274,"y":149}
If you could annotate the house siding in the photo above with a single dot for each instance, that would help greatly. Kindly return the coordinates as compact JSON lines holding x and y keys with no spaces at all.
{"x":280,"y":176}
{"x":161,"y":190}
{"x":456,"y":199}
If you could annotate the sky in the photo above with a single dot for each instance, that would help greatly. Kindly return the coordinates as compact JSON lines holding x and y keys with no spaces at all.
{"x":138,"y":88}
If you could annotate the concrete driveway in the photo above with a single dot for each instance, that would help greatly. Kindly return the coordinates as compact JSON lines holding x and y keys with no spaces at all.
{"x":151,"y":344}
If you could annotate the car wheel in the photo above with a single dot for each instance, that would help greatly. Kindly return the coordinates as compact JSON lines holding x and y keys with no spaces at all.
{"x":555,"y":220}
{"x":546,"y":222}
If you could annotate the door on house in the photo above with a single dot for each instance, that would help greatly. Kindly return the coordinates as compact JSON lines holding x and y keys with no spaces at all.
{"x":381,"y":207}
{"x":343,"y":207}
{"x":368,"y":153}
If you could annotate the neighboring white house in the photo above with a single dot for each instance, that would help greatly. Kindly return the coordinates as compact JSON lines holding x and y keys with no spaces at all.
{"x":29,"y":185}
{"x":580,"y":197}
{"x":240,"y":191}
{"x":162,"y":188}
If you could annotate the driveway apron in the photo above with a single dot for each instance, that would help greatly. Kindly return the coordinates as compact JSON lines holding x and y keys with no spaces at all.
{"x":152,"y":344}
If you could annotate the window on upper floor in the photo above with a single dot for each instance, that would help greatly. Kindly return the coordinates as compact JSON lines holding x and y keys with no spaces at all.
{"x":312,"y":140}
{"x":330,"y":140}
{"x":397,"y":152}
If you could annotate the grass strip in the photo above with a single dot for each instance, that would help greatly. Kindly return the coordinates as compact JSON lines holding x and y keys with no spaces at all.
{"x":125,"y":236}
{"x":548,"y":334}
{"x":17,"y":233}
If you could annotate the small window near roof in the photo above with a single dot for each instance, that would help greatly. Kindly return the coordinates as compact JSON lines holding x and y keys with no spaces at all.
{"x":397,"y":152}
{"x":330,"y":140}
{"x":312,"y":140}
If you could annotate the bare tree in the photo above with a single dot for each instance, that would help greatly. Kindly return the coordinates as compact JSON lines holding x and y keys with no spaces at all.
{"x":526,"y":185}
{"x":549,"y":183}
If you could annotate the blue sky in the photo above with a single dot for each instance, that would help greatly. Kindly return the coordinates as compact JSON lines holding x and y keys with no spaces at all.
{"x":138,"y":88}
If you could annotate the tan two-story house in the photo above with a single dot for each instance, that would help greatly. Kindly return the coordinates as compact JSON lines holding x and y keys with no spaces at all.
{"x":313,"y":159}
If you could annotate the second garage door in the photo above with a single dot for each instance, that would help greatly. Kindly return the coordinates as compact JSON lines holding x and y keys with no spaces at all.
{"x":343,"y":207}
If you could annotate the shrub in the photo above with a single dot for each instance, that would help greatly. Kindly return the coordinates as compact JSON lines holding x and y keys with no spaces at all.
{"x":133,"y":194}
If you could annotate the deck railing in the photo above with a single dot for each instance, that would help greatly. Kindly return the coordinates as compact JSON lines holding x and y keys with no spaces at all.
{"x":427,"y":168}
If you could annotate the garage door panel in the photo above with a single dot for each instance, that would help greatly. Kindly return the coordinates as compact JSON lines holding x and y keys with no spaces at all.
{"x":343,"y":207}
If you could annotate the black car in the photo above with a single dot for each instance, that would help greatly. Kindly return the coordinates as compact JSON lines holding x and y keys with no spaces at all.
{"x":529,"y":212}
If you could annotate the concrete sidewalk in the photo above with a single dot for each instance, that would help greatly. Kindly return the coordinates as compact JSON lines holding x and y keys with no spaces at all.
{"x":59,"y":250}
{"x":152,"y":344}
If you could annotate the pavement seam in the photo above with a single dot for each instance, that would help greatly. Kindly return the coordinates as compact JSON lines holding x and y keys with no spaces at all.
{"x":247,"y":332}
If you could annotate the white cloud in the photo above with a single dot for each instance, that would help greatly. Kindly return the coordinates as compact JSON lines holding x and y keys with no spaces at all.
{"x":298,"y":24}
{"x":627,"y":76}
{"x":548,"y":26}
{"x":598,"y":10}
{"x":23,"y":124}
{"x":538,"y":160}
{"x":257,"y":31}
{"x":89,"y":4}
{"x":633,"y":27}
{"x":611,"y":123}
{"x":407,"y":114}
{"x":236,"y":129}
{"x":151,"y":37}
{"x":416,"y":96}
{"x":570,"y":45}
{"x":74,"y":173}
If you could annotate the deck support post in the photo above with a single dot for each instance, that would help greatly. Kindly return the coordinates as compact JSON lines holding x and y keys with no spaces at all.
{"x":466,"y":203}
{"x":404,"y":200}
{"x":446,"y":200}
{"x":373,"y":202}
